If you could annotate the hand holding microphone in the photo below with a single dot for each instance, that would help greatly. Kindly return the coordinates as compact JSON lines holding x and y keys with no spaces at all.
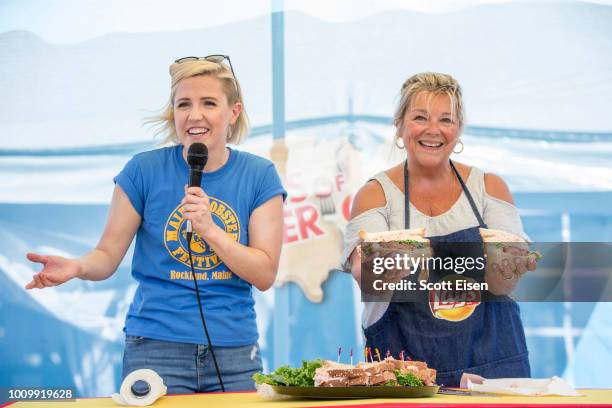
{"x":196,"y":211}
{"x":196,"y":203}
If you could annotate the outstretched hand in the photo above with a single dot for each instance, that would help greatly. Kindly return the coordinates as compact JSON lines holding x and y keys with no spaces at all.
{"x":56,"y":270}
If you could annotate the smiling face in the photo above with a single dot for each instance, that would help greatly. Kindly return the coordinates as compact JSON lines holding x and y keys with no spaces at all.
{"x":430,"y":129}
{"x":202,"y":113}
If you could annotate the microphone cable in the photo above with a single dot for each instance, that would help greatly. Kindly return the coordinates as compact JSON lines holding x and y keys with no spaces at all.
{"x":195,"y":281}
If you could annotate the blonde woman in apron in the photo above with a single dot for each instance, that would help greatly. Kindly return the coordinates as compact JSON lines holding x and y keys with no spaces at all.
{"x":451,"y":201}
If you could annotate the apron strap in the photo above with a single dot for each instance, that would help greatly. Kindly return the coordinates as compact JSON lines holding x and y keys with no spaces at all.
{"x":469,"y":197}
{"x":406,"y":197}
{"x":463,"y":187}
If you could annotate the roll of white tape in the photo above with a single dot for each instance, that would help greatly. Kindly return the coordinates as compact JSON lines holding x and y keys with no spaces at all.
{"x":126,"y":396}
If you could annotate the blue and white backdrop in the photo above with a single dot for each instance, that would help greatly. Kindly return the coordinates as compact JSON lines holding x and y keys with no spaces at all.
{"x":77,"y":78}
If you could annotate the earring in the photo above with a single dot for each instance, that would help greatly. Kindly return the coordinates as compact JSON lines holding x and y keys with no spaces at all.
{"x":397,"y":139}
{"x":460,"y":150}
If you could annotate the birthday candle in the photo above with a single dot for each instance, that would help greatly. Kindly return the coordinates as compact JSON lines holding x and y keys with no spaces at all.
{"x":377,"y":354}
{"x":339,"y":352}
{"x":402,"y":355}
{"x":351,"y":356}
{"x":388,"y":354}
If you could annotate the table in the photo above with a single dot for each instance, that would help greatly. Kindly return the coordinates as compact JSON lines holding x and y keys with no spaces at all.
{"x":599,"y":398}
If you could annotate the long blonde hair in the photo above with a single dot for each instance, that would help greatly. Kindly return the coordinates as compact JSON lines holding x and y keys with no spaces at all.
{"x":164,"y":122}
{"x":435,"y":84}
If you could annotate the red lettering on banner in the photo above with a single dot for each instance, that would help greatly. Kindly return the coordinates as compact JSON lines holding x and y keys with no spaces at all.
{"x":346,"y":206}
{"x":307,"y":217}
{"x":339,"y":181}
{"x":301,"y":224}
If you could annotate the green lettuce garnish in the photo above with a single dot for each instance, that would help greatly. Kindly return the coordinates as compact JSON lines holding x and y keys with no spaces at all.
{"x":285,"y":375}
{"x":408,"y":379}
{"x":416,"y":244}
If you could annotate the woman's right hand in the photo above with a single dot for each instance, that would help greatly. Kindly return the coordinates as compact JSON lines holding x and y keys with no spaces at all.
{"x":56,"y":270}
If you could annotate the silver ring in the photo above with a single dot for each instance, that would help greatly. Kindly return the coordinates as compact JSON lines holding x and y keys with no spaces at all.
{"x":513,"y":276}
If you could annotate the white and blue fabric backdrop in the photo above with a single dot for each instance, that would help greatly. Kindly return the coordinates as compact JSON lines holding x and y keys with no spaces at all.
{"x":77,"y":79}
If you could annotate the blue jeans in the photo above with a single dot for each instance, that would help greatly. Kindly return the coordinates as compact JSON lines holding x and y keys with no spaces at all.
{"x":189,"y":368}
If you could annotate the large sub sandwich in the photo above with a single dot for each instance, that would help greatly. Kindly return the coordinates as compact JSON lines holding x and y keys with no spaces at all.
{"x":502,"y":245}
{"x":411,"y":242}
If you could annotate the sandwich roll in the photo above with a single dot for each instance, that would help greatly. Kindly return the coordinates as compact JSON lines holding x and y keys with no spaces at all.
{"x":501,"y":245}
{"x":411,"y":242}
{"x":384,"y":244}
{"x":418,"y":234}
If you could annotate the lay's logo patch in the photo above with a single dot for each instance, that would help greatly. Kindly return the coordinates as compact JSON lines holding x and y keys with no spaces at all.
{"x":454,"y":305}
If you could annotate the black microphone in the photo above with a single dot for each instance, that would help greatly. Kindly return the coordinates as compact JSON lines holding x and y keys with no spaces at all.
{"x":197,"y":156}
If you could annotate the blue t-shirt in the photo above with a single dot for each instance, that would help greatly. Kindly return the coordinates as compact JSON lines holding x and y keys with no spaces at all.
{"x":165,"y":304}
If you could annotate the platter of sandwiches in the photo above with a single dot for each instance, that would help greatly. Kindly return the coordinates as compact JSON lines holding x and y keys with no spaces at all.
{"x":388,"y":378}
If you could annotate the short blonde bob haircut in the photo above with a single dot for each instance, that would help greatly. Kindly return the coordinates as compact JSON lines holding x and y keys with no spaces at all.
{"x":179,"y":71}
{"x":434,"y":84}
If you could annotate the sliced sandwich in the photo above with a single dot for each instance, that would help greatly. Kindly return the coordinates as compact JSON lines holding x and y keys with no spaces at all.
{"x":418,"y":368}
{"x":411,"y":242}
{"x":376,"y":373}
{"x":332,"y":374}
{"x":502,"y":245}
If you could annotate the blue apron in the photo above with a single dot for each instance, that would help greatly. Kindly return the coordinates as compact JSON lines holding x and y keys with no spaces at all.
{"x":490,"y":342}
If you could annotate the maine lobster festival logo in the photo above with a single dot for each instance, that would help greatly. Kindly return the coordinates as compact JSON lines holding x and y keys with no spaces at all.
{"x":453,"y":305}
{"x":204,"y":258}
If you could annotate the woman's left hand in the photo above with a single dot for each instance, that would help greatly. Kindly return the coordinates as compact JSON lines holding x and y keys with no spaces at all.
{"x":502,"y":279}
{"x":523,"y":261}
{"x":196,"y":208}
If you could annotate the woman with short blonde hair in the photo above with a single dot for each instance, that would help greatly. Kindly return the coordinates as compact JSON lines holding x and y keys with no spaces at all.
{"x":194,"y":67}
{"x":236,"y":216}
